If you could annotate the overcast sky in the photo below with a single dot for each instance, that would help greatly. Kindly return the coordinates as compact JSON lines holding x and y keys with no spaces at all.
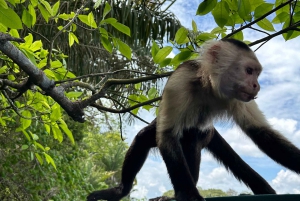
{"x":279,"y":99}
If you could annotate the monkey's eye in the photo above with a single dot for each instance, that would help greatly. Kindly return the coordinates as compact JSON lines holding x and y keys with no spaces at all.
{"x":249,"y":71}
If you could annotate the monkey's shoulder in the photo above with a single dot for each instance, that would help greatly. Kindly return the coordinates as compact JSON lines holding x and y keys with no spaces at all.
{"x":191,"y":65}
{"x":188,"y":75}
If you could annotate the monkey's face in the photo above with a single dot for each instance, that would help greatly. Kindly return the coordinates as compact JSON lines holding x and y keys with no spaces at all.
{"x":240,"y":80}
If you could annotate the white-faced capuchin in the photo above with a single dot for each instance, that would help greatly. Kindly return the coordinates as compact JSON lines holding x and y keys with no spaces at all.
{"x":220,"y":85}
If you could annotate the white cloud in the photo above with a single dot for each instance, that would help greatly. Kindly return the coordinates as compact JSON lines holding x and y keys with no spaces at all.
{"x":220,"y":178}
{"x":286,"y":182}
{"x":153,"y":179}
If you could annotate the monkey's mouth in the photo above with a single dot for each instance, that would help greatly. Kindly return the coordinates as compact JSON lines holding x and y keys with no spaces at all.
{"x":245,"y":96}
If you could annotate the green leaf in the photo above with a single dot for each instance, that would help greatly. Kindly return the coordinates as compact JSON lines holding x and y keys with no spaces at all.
{"x":34,"y":136}
{"x":106,"y":10}
{"x":74,"y":94}
{"x":124,"y":49}
{"x":221,"y":13}
{"x":65,"y":16}
{"x":3,"y":69}
{"x":206,"y":6}
{"x":71,"y":39}
{"x":296,"y":17}
{"x":162,"y":54}
{"x":206,"y":36}
{"x":104,"y":33}
{"x":281,"y":18}
{"x":165,"y":62}
{"x":152,"y":93}
{"x":219,"y":30}
{"x":262,"y":9}
{"x":39,"y":158}
{"x":194,"y":26}
{"x":57,"y":134}
{"x":48,"y":128}
{"x":91,"y":20}
{"x":36,"y":45}
{"x":239,"y":36}
{"x":109,"y":20}
{"x":55,"y":113}
{"x":30,"y":55}
{"x":233,"y":5}
{"x":3,"y":4}
{"x":31,"y":10}
{"x":55,"y":8}
{"x":106,"y":44}
{"x":65,"y":128}
{"x":3,"y":28}
{"x":25,"y":133}
{"x":24,"y":147}
{"x":255,"y":4}
{"x":56,"y":64}
{"x":50,"y":160}
{"x":44,"y":12}
{"x":266,"y":25}
{"x":121,"y":27}
{"x":47,"y":6}
{"x":181,"y":36}
{"x":49,"y":74}
{"x":97,"y":3}
{"x":154,"y":48}
{"x":25,"y":122}
{"x":137,"y":86}
{"x":285,"y":9}
{"x":38,"y":145}
{"x":33,"y":2}
{"x":290,"y":34}
{"x":9,"y":18}
{"x":88,"y":20}
{"x":132,"y":99}
{"x":182,"y":56}
{"x":244,"y":9}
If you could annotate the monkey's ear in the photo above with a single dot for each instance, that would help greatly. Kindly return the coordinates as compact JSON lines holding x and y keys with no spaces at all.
{"x":213,"y":52}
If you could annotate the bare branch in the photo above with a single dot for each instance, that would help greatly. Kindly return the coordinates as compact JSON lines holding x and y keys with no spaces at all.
{"x":7,"y":37}
{"x":15,"y":107}
{"x":39,"y":78}
{"x":111,"y":82}
{"x":102,"y":108}
{"x":293,"y":27}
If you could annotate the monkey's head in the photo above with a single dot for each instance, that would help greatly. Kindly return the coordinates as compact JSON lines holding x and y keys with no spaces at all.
{"x":232,"y":68}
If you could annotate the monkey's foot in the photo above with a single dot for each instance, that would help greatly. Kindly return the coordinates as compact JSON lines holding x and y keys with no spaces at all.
{"x":111,"y":194}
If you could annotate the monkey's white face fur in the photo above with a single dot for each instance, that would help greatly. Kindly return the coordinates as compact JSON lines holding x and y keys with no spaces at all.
{"x":232,"y":71}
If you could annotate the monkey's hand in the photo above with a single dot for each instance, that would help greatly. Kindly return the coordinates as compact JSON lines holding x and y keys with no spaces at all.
{"x":163,"y":198}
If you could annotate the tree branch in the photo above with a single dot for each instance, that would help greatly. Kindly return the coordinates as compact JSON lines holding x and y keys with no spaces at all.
{"x":258,"y":19}
{"x":100,"y":107}
{"x":38,"y":77}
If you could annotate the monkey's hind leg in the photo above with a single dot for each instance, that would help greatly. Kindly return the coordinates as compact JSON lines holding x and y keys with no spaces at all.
{"x":134,"y":160}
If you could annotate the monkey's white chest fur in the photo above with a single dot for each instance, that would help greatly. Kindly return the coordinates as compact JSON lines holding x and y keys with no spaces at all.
{"x":186,"y":105}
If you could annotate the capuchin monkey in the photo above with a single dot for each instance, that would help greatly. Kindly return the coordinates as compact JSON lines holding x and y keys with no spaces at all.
{"x":220,"y":85}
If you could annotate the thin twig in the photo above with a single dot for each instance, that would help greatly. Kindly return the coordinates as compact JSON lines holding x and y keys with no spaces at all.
{"x":61,"y":31}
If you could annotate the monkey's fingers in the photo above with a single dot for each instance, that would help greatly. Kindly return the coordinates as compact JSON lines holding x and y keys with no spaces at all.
{"x":162,"y":198}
